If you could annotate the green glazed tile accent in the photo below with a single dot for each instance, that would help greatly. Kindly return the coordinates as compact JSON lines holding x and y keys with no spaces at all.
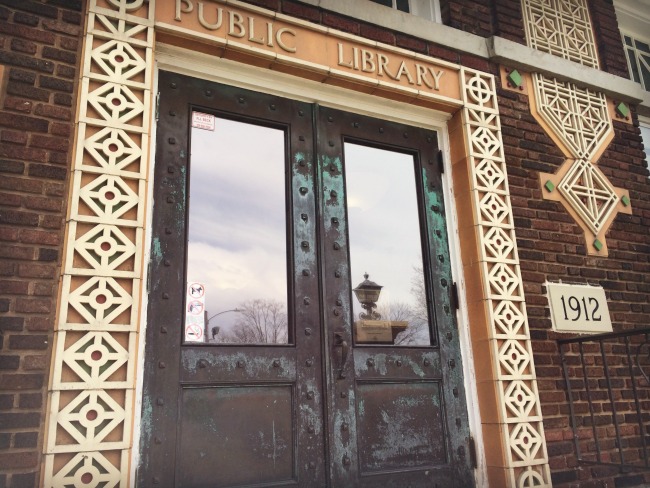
{"x":598,"y":245}
{"x":549,"y":186}
{"x":622,"y":110}
{"x":625,"y":200}
{"x":515,"y":78}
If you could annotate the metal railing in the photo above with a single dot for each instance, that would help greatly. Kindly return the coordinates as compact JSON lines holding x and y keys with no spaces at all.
{"x":608,"y":386}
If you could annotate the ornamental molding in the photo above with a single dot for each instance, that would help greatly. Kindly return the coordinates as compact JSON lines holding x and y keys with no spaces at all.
{"x":91,"y":400}
{"x":578,"y":119}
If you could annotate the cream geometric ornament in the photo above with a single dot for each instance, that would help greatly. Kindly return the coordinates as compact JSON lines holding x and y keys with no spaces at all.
{"x":89,"y":440}
{"x":576,"y":118}
{"x":562,"y":28}
{"x":589,"y":193}
{"x":525,"y":461}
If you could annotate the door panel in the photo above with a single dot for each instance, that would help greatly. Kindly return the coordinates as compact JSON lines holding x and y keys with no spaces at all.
{"x":265,"y":398}
{"x":224,"y":428}
{"x":400,"y":426}
{"x":383,"y":390}
{"x":324,"y":404}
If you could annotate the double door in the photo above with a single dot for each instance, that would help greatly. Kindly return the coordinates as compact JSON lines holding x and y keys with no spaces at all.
{"x":300,"y":330}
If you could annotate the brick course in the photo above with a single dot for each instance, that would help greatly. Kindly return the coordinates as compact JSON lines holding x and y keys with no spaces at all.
{"x":40,"y":51}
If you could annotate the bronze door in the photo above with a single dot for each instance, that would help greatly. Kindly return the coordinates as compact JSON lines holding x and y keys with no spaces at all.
{"x":257,"y":372}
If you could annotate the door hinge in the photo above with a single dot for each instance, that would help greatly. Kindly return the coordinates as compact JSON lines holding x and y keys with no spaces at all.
{"x":441,"y":162}
{"x":157,"y":105}
{"x":472,"y":453}
{"x":454,"y":295}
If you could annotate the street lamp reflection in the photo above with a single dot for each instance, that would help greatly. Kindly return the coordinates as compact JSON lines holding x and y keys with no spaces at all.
{"x":216,"y":328}
{"x":367,"y":292}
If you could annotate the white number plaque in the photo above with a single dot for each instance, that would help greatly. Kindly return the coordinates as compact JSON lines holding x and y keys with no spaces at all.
{"x":578,"y":308}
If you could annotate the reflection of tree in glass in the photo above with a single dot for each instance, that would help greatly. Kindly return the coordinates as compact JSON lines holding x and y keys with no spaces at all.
{"x":417,"y":332}
{"x":261,"y":321}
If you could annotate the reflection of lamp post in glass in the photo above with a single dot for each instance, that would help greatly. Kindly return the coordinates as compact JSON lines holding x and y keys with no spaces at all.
{"x":215,"y":329}
{"x":367,"y":292}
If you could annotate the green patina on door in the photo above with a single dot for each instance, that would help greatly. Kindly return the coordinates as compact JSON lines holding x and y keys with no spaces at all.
{"x":270,"y":358}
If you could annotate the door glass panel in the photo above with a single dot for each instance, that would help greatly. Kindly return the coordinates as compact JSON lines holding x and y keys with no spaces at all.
{"x":386,"y":244}
{"x":237,"y":238}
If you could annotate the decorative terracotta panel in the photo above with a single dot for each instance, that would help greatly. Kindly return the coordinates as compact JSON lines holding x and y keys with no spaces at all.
{"x":518,"y":417}
{"x":89,"y":432}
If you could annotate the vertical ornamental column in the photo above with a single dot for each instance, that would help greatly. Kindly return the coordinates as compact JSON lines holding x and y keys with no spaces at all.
{"x":89,"y":431}
{"x":509,"y":400}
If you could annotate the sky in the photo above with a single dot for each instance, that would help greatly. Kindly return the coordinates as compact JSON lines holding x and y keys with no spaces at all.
{"x":237,"y":228}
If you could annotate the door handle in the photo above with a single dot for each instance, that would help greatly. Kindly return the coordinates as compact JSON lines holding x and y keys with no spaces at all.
{"x":339,"y":341}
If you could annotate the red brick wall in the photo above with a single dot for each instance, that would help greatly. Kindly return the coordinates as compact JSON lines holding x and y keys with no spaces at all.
{"x":608,"y":37}
{"x":474,"y":16}
{"x":552,"y":247}
{"x":40,"y":52}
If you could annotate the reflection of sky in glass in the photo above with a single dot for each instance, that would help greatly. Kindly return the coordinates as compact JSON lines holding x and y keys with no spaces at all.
{"x":237,"y":223}
{"x":384,"y":231}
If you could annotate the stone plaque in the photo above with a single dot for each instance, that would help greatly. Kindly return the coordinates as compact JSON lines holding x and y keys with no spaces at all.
{"x":578,"y":308}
